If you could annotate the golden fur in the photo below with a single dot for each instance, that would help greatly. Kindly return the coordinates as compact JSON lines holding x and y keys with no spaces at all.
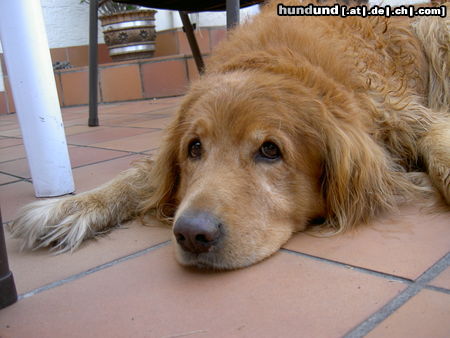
{"x":358,"y":107}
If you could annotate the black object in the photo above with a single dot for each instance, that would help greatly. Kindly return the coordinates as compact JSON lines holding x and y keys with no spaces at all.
{"x":93,"y":63}
{"x":8,"y":293}
{"x":189,"y":30}
{"x":190,"y":6}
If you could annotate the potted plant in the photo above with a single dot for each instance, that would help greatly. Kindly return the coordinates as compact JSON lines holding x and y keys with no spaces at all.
{"x":129,"y":32}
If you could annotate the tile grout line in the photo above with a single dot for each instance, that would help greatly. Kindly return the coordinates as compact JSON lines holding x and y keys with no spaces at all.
{"x":350,"y":267}
{"x":28,"y":179}
{"x":75,"y":145}
{"x":2,"y":148}
{"x":388,"y":309}
{"x":437,"y":289}
{"x":11,"y":137}
{"x":150,"y":129}
{"x":120,"y":157}
{"x":19,"y":178}
{"x":124,"y":155}
{"x":95,"y":147}
{"x":92,"y":270}
{"x":11,"y":182}
{"x":111,"y":149}
{"x":112,"y":126}
{"x":14,"y":159}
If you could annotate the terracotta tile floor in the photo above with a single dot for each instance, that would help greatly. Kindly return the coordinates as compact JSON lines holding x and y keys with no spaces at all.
{"x":388,"y":279}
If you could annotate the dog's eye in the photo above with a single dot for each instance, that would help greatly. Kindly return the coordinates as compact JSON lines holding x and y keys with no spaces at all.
{"x":269,"y":151}
{"x":195,"y":149}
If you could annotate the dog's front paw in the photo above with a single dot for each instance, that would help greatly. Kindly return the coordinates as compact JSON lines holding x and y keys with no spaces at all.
{"x":61,"y":223}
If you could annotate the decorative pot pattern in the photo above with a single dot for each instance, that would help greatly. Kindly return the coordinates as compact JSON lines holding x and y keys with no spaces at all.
{"x":130,"y":35}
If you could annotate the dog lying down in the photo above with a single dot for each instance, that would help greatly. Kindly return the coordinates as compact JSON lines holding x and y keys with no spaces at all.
{"x":297,"y":119}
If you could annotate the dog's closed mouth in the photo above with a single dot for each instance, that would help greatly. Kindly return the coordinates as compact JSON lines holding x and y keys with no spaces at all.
{"x":204,"y":261}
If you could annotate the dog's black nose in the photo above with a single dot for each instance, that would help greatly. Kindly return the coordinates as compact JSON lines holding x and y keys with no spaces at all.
{"x":197,"y":232}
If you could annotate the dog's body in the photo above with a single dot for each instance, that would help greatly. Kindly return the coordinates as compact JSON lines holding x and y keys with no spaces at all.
{"x":296,"y":119}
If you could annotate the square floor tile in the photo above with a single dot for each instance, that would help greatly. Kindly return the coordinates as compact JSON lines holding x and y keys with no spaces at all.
{"x":425,"y":315}
{"x":137,"y":143}
{"x":12,"y":153}
{"x":7,"y":124}
{"x":78,"y":129}
{"x":11,"y":132}
{"x":442,"y":280}
{"x":104,"y":135}
{"x":34,"y":269}
{"x":92,"y":176}
{"x":80,"y":156}
{"x":7,"y":178}
{"x":14,"y":196}
{"x":403,"y":244}
{"x":153,"y":123}
{"x":8,"y":142}
{"x":16,"y":167}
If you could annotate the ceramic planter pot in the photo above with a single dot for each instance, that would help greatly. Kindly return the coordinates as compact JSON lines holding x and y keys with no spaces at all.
{"x":130,"y":35}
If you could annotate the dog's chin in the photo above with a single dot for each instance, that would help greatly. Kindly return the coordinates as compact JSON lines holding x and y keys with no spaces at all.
{"x":213,"y":260}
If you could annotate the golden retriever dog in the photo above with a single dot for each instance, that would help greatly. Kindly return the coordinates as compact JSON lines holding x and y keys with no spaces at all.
{"x":296,"y":121}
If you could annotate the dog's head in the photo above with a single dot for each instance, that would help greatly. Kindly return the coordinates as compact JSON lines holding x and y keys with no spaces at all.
{"x":250,"y":159}
{"x":247,"y":179}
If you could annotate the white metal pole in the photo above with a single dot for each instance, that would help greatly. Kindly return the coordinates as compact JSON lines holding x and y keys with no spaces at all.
{"x":30,"y":71}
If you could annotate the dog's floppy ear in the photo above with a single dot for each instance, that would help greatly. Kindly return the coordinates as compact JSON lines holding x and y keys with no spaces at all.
{"x":359,"y":180}
{"x":163,"y":178}
{"x":165,"y":171}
